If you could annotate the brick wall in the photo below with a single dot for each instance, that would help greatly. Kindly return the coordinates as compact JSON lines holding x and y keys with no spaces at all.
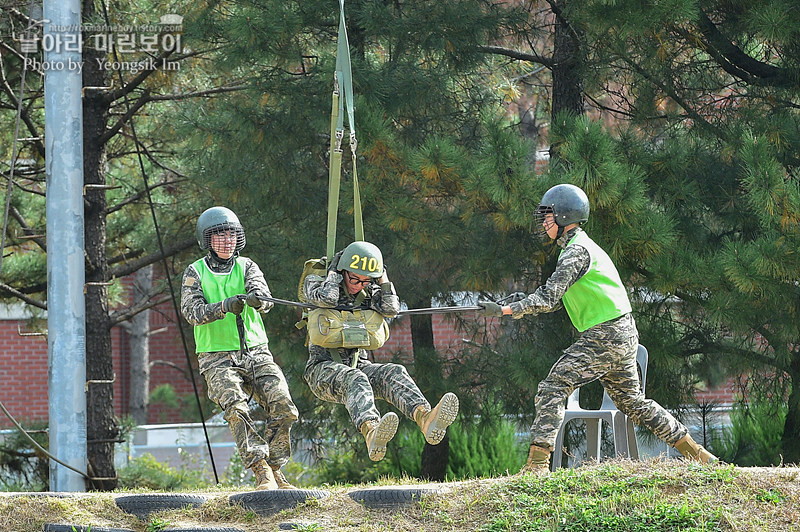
{"x":23,"y":374}
{"x":24,"y":365}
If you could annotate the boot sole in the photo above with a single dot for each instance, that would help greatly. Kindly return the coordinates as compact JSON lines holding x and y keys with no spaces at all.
{"x":385,"y":431}
{"x":448,"y":410}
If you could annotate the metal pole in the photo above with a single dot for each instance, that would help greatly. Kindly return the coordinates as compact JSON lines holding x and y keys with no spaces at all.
{"x":66,"y":323}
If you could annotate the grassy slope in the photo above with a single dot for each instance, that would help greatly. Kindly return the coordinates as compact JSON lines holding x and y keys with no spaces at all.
{"x":626,"y":496}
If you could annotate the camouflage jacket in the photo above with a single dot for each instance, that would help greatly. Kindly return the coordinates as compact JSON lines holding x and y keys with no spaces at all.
{"x":572,"y":264}
{"x":194,"y":307}
{"x":328,"y":292}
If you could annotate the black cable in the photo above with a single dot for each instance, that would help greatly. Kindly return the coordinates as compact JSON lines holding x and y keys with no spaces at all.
{"x":432,"y":310}
{"x":163,"y":255}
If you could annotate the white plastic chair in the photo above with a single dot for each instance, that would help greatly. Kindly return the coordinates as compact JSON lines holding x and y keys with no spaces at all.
{"x":625,"y":445}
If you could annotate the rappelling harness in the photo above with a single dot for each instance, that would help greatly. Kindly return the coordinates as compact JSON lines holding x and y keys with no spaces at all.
{"x":350,"y":328}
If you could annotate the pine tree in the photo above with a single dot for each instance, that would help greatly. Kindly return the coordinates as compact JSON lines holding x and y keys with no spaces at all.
{"x":430,"y":136}
{"x":711,"y":90}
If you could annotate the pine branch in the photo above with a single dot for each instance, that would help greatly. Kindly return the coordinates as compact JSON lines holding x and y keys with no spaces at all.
{"x":113,"y":130}
{"x":516,"y":54}
{"x":737,"y":63}
{"x":120,"y":316}
{"x":181,"y":369}
{"x":19,"y":295}
{"x":24,"y":116}
{"x":196,"y":94}
{"x":139,"y":195}
{"x":170,"y":250}
{"x":26,"y":229}
{"x":137,"y":80}
{"x":673,"y":94}
{"x":22,"y":188}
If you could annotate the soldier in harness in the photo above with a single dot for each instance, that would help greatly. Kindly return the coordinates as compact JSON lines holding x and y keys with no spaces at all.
{"x":356,"y":279}
{"x":587,"y":284}
{"x":222,"y":296}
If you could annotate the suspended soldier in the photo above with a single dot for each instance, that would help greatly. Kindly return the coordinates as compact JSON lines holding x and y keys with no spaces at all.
{"x":357,"y":286}
{"x":223,"y":297}
{"x":587,"y":284}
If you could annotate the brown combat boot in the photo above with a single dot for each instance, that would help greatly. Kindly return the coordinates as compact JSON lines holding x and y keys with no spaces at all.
{"x":434,"y":422}
{"x":538,"y":461}
{"x":694,"y":451}
{"x":280,"y":478}
{"x":264,"y":477}
{"x":378,"y":433}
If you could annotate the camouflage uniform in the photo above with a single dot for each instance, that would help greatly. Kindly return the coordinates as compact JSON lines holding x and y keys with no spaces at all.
{"x":606,"y":352}
{"x":233,"y":377}
{"x":356,"y":388}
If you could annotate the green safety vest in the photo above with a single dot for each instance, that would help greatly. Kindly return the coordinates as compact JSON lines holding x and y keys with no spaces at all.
{"x":599,"y":295}
{"x":223,"y":335}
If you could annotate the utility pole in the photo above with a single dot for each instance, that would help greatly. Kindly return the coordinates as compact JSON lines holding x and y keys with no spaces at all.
{"x":66,"y":323}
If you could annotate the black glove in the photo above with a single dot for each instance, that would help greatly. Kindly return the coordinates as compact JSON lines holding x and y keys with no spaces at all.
{"x":233,"y":304}
{"x":490,"y":309}
{"x":254,"y":299}
{"x":335,"y":261}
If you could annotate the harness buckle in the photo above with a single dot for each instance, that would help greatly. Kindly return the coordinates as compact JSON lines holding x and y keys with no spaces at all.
{"x":339,"y":137}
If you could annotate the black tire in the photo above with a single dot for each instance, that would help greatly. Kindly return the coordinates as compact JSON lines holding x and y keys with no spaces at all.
{"x":53,"y":527}
{"x":143,"y":505}
{"x":269,"y":502}
{"x":391,"y":497}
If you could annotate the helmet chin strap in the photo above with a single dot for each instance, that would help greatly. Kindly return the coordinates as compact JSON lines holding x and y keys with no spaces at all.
{"x":224,"y":262}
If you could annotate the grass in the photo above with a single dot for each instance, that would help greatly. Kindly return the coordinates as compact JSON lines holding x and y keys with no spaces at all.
{"x":617,"y":495}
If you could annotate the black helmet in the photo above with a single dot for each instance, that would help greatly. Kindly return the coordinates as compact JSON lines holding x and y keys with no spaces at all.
{"x":568,"y":204}
{"x":215,"y":220}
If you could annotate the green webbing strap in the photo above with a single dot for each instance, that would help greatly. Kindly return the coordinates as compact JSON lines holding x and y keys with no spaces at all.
{"x":342,"y":78}
{"x":359,"y":222}
{"x":344,"y":71}
{"x":334,"y":172}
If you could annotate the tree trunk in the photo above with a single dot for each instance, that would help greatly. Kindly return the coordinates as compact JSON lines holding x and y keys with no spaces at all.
{"x":790,"y":442}
{"x":434,"y":460}
{"x":140,"y":349}
{"x":567,"y":71}
{"x":434,"y":457}
{"x":101,"y":426}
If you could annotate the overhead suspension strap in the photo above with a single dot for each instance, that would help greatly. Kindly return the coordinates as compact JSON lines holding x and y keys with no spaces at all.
{"x":342,"y":82}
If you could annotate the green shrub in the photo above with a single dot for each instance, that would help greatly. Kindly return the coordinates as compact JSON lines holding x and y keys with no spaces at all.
{"x":484,"y":451}
{"x":754,"y":438}
{"x":348,"y":467}
{"x":146,"y":472}
{"x":22,"y":467}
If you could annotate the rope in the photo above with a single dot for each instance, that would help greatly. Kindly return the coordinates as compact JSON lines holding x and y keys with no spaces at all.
{"x":39,"y":447}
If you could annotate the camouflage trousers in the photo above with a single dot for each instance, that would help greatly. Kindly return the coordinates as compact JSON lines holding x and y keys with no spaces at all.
{"x":356,"y":388}
{"x":613,"y":362}
{"x":232,"y":378}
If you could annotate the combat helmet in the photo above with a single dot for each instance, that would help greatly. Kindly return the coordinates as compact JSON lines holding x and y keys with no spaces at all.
{"x":567,"y":203}
{"x":362,"y":258}
{"x":217,"y":219}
